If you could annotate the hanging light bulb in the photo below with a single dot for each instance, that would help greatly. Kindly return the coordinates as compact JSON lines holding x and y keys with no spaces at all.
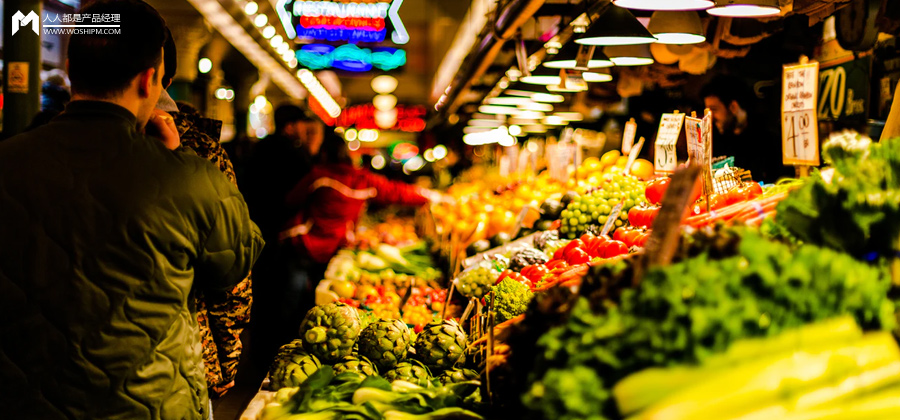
{"x":629,"y":55}
{"x":567,"y":56}
{"x":543,"y":76}
{"x":665,"y":4}
{"x":745,"y":8}
{"x":616,"y":26}
{"x":677,"y":27}
{"x":598,"y":76}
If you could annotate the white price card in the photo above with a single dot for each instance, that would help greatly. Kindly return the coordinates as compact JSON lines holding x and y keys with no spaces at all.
{"x":799,"y":123}
{"x":628,"y":136}
{"x":699,"y":141}
{"x":665,"y":161}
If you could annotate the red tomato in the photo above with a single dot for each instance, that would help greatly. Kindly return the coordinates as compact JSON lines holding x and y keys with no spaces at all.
{"x":614,"y":248}
{"x":558,"y":255}
{"x":587,"y":238}
{"x":656,"y":189}
{"x":617,"y":235}
{"x":753,"y":190}
{"x":577,"y":256}
{"x":577,"y":243}
{"x":636,"y":216}
{"x":642,"y":240}
{"x":630,"y":238}
{"x":597,"y":245}
{"x":556,"y":263}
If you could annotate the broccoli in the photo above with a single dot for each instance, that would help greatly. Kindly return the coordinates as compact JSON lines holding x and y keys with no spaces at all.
{"x":512,"y":299}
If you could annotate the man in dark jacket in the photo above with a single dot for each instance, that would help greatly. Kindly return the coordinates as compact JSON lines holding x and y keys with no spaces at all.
{"x":105,"y":233}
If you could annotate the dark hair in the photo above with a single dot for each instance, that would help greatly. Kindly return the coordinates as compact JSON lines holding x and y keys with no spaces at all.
{"x":334,"y":150}
{"x":728,"y":89}
{"x":286,"y":114}
{"x":104,"y":65}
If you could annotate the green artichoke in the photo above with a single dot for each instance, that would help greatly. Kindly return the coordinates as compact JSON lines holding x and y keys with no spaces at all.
{"x":385,"y":343}
{"x":294,"y":371}
{"x":456,"y":375}
{"x":441,"y":345}
{"x":410,"y":372}
{"x":355,"y":364}
{"x":330,"y":331}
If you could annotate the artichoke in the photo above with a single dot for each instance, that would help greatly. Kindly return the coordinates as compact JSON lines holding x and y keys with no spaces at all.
{"x":410,"y":372}
{"x":385,"y":343}
{"x":355,"y":364}
{"x":330,"y":331}
{"x":456,"y":375}
{"x":294,"y":371}
{"x":441,"y":345}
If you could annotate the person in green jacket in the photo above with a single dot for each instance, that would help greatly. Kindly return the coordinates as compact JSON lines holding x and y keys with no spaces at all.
{"x":105,"y":235}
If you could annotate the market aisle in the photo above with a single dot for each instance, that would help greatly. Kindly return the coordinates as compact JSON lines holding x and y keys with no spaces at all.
{"x":246,"y":386}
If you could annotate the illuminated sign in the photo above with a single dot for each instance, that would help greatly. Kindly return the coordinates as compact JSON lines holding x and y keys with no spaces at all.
{"x":353,"y":21}
{"x":410,"y":118}
{"x":349,"y":57}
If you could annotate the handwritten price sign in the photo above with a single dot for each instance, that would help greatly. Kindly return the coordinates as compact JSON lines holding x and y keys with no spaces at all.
{"x":628,"y":136}
{"x":665,"y":161}
{"x":799,"y":126}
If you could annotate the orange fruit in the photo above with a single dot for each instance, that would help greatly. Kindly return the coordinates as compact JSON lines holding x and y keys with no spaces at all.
{"x":642,"y":169}
{"x":621,"y":161}
{"x":609,"y":158}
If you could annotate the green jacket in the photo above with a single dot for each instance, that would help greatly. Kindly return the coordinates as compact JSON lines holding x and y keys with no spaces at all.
{"x":104,"y":235}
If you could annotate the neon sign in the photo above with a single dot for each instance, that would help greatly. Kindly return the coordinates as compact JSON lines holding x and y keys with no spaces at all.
{"x":349,"y":57}
{"x":409,"y":117}
{"x":344,"y":20}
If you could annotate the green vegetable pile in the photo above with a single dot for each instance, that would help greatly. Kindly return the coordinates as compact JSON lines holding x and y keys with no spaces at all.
{"x":739,"y":286}
{"x":326,"y":396}
{"x":858,"y":210}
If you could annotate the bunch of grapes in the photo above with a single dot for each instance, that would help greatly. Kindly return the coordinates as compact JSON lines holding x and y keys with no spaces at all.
{"x":593,"y":208}
{"x":477,"y":281}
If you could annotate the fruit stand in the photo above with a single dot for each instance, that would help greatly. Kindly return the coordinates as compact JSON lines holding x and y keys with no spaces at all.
{"x":761,"y":291}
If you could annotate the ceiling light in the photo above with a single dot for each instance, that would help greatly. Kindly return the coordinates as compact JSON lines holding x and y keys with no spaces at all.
{"x":515,"y":130}
{"x":594,"y":77}
{"x":368,"y":135}
{"x":534,"y":106}
{"x":665,"y":4}
{"x":268,"y":32}
{"x":204,"y":65}
{"x":384,"y":84}
{"x":473,"y":129}
{"x":378,"y":162}
{"x":573,"y":84}
{"x":507,"y":140}
{"x":276,"y":41}
{"x":440,"y":152}
{"x":543,"y":76}
{"x":566,"y":58}
{"x":384,"y":102}
{"x":485,"y":123}
{"x":350,"y":134}
{"x":260,"y":20}
{"x":529,"y":115}
{"x":616,"y":26}
{"x":746,"y":8}
{"x":497,"y":135}
{"x":569,"y":116}
{"x":508,"y":100}
{"x":550,"y":98}
{"x":251,"y":8}
{"x":629,"y":55}
{"x":677,"y":27}
{"x":553,"y":120}
{"x":498,"y":110}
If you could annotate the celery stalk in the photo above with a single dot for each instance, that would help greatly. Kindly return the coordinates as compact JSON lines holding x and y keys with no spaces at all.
{"x":765,"y":382}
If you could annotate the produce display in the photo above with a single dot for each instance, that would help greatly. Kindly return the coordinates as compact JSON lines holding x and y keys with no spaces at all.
{"x":779,"y":302}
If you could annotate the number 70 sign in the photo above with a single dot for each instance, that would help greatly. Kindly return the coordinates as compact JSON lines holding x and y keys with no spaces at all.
{"x":799,"y":124}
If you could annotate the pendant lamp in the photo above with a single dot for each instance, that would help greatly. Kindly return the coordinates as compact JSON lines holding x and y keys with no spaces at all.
{"x":665,"y":4}
{"x":522,"y":89}
{"x":550,"y":98}
{"x":676,"y":27}
{"x":601,"y":75}
{"x":616,"y":26}
{"x":629,"y":55}
{"x":542,"y":76}
{"x":567,"y":57}
{"x":745,"y":8}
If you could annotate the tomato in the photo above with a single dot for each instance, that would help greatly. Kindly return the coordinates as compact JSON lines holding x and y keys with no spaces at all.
{"x":656,"y":189}
{"x":576,"y":243}
{"x":642,"y":240}
{"x":613,"y":248}
{"x":617,"y":235}
{"x":558,"y":255}
{"x":577,"y":256}
{"x":587,"y":238}
{"x":630,"y":238}
{"x":594,"y":249}
{"x":556,"y":263}
{"x":635,"y":216}
{"x":753,"y":190}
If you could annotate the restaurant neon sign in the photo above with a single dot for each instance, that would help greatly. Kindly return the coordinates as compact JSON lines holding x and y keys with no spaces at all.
{"x":348,"y":20}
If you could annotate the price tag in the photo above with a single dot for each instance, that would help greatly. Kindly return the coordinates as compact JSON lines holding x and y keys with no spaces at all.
{"x":699,"y":142}
{"x":799,"y":125}
{"x":665,"y":161}
{"x":632,"y":156}
{"x":628,"y":136}
{"x":613,"y":216}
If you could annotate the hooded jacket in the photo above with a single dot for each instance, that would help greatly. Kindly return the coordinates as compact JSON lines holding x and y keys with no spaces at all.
{"x":104,"y":235}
